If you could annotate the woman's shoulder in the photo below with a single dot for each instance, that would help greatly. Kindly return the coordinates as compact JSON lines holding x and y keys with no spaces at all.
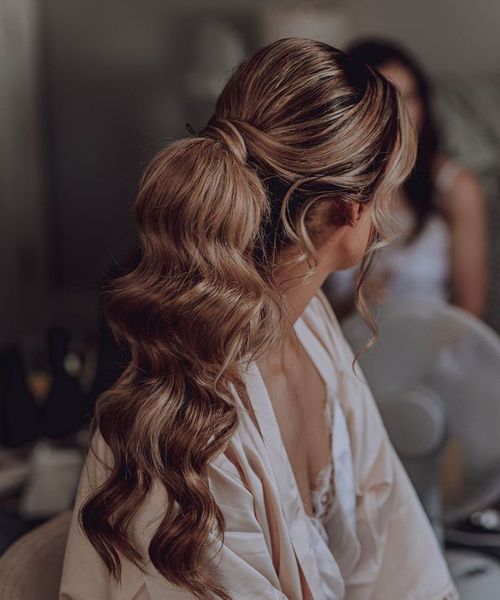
{"x":99,"y":461}
{"x":320,"y":310}
{"x":446,"y":171}
{"x":459,"y":189}
{"x":450,"y":175}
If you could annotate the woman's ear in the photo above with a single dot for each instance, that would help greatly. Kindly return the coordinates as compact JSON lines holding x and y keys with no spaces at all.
{"x":355,"y":211}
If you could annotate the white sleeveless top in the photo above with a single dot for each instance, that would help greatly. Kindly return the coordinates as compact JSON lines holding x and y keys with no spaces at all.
{"x":419,"y":269}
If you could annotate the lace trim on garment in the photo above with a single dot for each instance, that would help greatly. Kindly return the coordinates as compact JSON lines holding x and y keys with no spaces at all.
{"x":322,"y":492}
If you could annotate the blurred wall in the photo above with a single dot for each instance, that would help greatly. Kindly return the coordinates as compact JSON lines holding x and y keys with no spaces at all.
{"x":116,"y":79}
{"x":23,"y":211}
{"x":449,"y":36}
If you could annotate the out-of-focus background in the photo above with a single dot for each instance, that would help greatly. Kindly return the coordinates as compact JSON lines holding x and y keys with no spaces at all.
{"x":88,"y":92}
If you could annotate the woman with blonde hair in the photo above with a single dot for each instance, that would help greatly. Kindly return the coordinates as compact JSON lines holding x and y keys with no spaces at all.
{"x":239,"y":456}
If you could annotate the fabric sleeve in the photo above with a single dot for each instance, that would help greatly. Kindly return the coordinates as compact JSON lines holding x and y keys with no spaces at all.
{"x":242,"y":563}
{"x":400,"y":555}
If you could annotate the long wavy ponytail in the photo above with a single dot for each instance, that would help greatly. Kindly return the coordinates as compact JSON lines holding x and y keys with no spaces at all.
{"x":298,"y":134}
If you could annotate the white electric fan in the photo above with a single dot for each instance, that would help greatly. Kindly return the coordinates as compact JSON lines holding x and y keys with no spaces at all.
{"x":435,"y":374}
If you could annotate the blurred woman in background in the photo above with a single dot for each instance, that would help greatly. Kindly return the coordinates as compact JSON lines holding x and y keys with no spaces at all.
{"x":440,"y":213}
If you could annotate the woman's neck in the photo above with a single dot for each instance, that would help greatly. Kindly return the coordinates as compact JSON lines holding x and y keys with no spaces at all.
{"x":299,"y":295}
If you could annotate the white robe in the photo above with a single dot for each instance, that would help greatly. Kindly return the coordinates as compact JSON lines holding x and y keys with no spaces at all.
{"x":390,"y":554}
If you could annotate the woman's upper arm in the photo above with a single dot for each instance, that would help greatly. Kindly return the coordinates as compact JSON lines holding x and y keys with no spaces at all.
{"x":241,"y":561}
{"x":244,"y":560}
{"x":464,"y":206}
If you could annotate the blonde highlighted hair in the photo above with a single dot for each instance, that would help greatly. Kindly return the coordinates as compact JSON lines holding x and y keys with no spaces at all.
{"x":299,"y":133}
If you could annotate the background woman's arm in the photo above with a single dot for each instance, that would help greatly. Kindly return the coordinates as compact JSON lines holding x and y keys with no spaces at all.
{"x":464,"y":206}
